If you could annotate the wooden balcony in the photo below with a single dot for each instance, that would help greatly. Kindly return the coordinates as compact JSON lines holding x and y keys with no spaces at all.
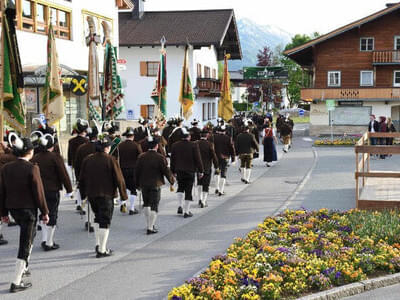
{"x":209,"y":87}
{"x":386,"y":57}
{"x":351,"y":94}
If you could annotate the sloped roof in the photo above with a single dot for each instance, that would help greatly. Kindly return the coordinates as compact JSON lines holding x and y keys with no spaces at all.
{"x":198,"y":27}
{"x":343,"y":29}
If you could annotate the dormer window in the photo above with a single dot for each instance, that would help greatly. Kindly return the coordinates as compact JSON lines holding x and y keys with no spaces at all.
{"x":367,"y":44}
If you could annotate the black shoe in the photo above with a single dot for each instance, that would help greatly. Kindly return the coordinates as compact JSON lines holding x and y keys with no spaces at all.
{"x":39,"y":228}
{"x":50,"y":248}
{"x":216,"y":191}
{"x":243,"y":180}
{"x":180,"y":210}
{"x":26,"y":273}
{"x":96,"y":249}
{"x":201,"y":204}
{"x":247,"y":182}
{"x":221,"y":194}
{"x":79,"y":208}
{"x":19,"y":288}
{"x":133,"y":212}
{"x":11,"y":224}
{"x":152,"y":231}
{"x":43,"y":244}
{"x":2,"y":240}
{"x":108,"y":252}
{"x":188,"y":215}
{"x":91,"y":229}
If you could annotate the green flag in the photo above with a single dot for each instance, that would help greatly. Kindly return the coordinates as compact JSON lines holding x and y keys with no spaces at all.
{"x":186,"y":97}
{"x":13,"y":82}
{"x":159,"y":94}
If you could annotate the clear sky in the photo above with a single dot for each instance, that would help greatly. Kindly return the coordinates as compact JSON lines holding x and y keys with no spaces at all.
{"x":294,"y":16}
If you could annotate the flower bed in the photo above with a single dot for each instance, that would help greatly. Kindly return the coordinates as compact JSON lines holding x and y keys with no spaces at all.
{"x":300,"y":252}
{"x":345,"y":141}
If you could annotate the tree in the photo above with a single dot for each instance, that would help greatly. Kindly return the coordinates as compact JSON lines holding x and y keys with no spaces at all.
{"x":264,"y":57}
{"x":298,"y":77}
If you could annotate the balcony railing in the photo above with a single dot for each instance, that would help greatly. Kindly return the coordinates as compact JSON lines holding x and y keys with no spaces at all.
{"x":209,"y":87}
{"x":351,"y":94}
{"x":386,"y":57}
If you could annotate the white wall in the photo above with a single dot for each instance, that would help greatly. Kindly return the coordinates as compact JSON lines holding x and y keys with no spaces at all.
{"x":74,"y":52}
{"x":138,"y":88}
{"x":237,"y":94}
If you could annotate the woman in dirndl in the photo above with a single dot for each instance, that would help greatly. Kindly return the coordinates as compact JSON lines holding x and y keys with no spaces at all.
{"x":269,"y":142}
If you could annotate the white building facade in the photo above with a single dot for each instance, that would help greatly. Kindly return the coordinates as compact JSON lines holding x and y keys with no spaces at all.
{"x":69,"y":19}
{"x":140,"y":35}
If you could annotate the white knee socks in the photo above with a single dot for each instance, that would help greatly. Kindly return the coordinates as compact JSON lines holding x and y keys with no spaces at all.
{"x":153,"y":218}
{"x":248,"y":173}
{"x":50,"y":235}
{"x":218,"y":181}
{"x":204,"y":197}
{"x":147,"y":212}
{"x":19,"y":270}
{"x":199,"y":192}
{"x":180,"y":198}
{"x":222,"y":188}
{"x":132,"y":202}
{"x":243,"y":170}
{"x":44,"y":231}
{"x":187,"y":207}
{"x":96,"y":233}
{"x":103,"y":237}
{"x":78,"y":197}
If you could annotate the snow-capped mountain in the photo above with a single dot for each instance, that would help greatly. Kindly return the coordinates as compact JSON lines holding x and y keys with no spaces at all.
{"x":254,"y":37}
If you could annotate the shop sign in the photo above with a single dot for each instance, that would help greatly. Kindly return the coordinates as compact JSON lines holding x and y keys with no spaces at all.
{"x":78,"y":85}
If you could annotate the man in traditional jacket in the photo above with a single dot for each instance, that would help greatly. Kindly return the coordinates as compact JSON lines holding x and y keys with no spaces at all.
{"x":80,"y":129}
{"x":150,"y":170}
{"x":54,"y":176}
{"x":143,"y":131}
{"x":99,"y":180}
{"x":208,"y":157}
{"x":129,"y":151}
{"x":185,"y":162}
{"x":286,"y":133}
{"x":177,"y":134}
{"x":195,"y":131}
{"x":246,"y":145}
{"x":224,"y":150}
{"x":21,"y":195}
{"x":166,"y":132}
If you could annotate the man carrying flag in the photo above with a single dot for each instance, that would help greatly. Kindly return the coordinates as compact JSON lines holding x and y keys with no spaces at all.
{"x":53,"y":104}
{"x":159,"y":93}
{"x":225,"y":106}
{"x":186,"y":92}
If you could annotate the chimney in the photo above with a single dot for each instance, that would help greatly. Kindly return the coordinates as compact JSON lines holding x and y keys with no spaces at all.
{"x":138,"y":9}
{"x":388,"y":5}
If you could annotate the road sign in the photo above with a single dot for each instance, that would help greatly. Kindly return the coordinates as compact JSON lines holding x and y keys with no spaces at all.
{"x":78,"y":85}
{"x":330,"y":105}
{"x":129,"y":115}
{"x":265,"y":73}
{"x":301,"y":113}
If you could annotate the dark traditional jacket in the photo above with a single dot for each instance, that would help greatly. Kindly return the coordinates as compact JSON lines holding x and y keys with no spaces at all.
{"x":208,"y":156}
{"x":151,"y":168}
{"x":185,"y":156}
{"x":6,"y":158}
{"x":141,"y":133}
{"x":175,"y":136}
{"x":52,"y":171}
{"x":100,"y":176}
{"x":195,"y":134}
{"x":73,"y":145}
{"x":246,"y":143}
{"x":224,"y":147}
{"x":21,"y":187}
{"x":83,"y":151}
{"x":129,"y":152}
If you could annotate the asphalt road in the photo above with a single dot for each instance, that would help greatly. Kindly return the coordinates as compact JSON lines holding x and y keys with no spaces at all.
{"x":147,"y":267}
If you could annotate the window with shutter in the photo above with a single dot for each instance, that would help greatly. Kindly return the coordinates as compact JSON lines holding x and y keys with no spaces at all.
{"x":143,"y":111}
{"x":143,"y":68}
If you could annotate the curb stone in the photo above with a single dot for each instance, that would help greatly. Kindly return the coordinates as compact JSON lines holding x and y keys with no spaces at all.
{"x":355,"y":288}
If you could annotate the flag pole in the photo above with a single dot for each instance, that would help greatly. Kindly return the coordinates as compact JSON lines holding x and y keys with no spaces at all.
{"x":163,"y":41}
{"x":2,"y":8}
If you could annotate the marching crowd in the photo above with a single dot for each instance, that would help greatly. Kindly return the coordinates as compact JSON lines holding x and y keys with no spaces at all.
{"x":33,"y":172}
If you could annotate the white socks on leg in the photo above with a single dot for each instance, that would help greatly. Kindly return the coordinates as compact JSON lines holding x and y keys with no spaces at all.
{"x":147,"y":212}
{"x":218,"y":181}
{"x":132,"y":202}
{"x":204,"y":197}
{"x":96,"y":233}
{"x":243,"y":170}
{"x":248,"y":171}
{"x":187,"y":207}
{"x":19,"y":270}
{"x":50,"y":235}
{"x":103,"y":237}
{"x":44,"y":231}
{"x":199,"y":192}
{"x":78,"y":197}
{"x":223,"y":181}
{"x":153,"y":218}
{"x":180,"y":199}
